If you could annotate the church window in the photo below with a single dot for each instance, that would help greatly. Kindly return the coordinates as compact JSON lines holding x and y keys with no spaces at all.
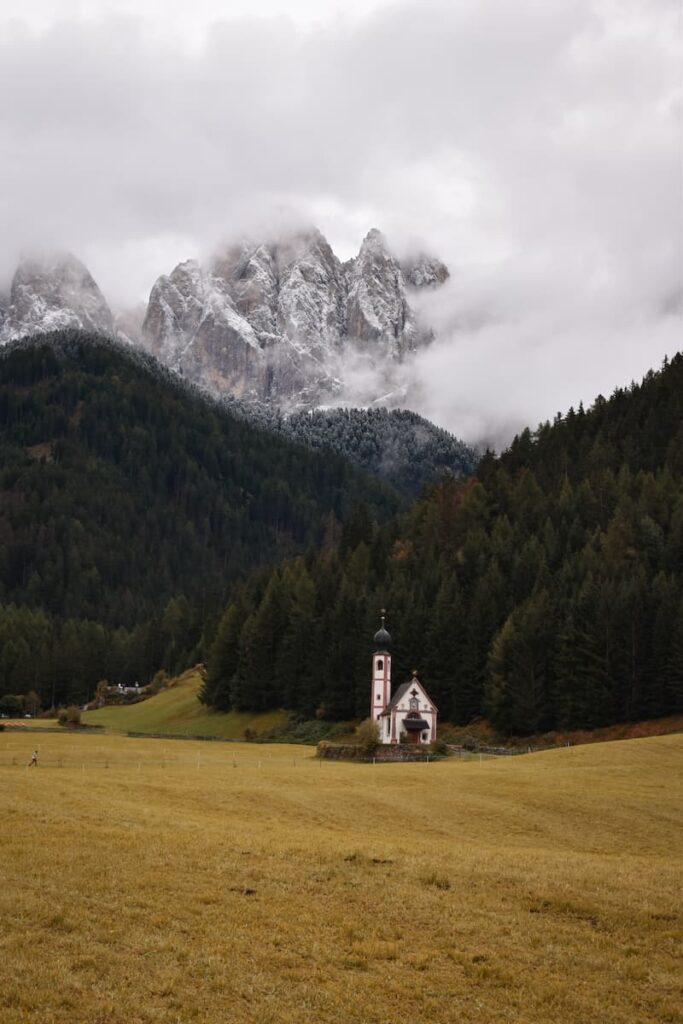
{"x":379,"y":696}
{"x":380,"y":664}
{"x":414,"y":704}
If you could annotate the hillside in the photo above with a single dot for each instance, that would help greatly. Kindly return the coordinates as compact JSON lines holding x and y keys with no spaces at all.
{"x":177,"y":712}
{"x":546,"y":594}
{"x":529,"y":889}
{"x":128,"y":503}
{"x":398,"y":445}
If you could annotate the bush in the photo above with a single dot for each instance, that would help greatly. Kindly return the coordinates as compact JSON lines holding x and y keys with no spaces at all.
{"x":439,"y":748}
{"x":69,"y":716}
{"x":11,"y":706}
{"x":367,"y":735}
{"x":160,"y":681}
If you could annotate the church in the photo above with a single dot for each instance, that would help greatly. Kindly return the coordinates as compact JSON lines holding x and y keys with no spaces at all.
{"x":410,"y":715}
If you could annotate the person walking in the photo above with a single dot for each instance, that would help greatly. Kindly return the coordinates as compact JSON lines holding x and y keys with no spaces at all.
{"x":34,"y":759}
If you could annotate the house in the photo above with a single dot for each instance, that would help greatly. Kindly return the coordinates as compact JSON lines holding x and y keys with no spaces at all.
{"x":409,"y":716}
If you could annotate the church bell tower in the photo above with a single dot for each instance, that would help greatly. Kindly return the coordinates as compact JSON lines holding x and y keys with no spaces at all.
{"x":381,"y":672}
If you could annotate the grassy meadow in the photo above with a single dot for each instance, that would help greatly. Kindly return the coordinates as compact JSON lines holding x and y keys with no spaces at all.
{"x":177,"y":712}
{"x":165,"y":881}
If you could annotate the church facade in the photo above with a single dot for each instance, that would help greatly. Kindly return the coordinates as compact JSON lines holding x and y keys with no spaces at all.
{"x":409,"y":716}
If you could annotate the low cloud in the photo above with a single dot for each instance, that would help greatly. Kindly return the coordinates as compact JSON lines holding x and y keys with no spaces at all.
{"x":533,"y":146}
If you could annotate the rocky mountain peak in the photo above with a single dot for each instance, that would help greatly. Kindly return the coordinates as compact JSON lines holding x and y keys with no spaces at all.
{"x":378,"y":309}
{"x":278,"y":319}
{"x":53,"y":292}
{"x":424,"y":271}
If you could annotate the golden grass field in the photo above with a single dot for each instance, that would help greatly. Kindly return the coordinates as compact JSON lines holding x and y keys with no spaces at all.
{"x":171,"y":881}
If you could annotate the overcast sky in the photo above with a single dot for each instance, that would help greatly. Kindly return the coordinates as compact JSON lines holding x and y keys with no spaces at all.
{"x":534,"y":144}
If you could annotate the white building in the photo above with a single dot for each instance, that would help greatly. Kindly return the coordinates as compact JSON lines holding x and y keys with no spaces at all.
{"x":410,"y":715}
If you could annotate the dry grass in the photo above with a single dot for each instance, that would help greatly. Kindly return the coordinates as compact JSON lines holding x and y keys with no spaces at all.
{"x":273,"y":888}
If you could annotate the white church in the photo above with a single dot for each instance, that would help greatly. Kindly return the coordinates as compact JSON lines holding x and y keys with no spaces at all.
{"x":410,"y":715}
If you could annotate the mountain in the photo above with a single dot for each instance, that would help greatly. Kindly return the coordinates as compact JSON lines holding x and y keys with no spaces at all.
{"x":280,"y":322}
{"x":54,"y":293}
{"x":547,"y":593}
{"x":129,"y":503}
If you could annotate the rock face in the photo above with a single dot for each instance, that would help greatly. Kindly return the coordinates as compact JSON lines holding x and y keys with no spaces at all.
{"x":279,"y":321}
{"x":52,"y":293}
{"x":192,"y":325}
{"x":377,"y":308}
{"x":424,"y":272}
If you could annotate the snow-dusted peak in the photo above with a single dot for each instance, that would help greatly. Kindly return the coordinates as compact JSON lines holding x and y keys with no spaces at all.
{"x":374,"y":241}
{"x":53,"y":292}
{"x":250,"y":276}
{"x":378,"y":309}
{"x":312,"y":289}
{"x":286,"y":314}
{"x":424,"y":271}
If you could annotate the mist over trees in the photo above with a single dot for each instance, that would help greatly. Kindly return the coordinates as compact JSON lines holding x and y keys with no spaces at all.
{"x":396,"y":444}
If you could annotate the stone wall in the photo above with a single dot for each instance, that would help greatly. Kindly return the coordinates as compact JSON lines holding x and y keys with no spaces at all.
{"x":383,"y":752}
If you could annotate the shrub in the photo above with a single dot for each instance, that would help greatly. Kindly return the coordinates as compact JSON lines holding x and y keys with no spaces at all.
{"x":367,"y":735}
{"x":69,"y":716}
{"x":11,"y":705}
{"x":160,"y":681}
{"x":439,"y":748}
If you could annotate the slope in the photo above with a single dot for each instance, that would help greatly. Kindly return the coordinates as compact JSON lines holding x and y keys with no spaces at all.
{"x":177,"y":712}
{"x":396,"y":444}
{"x":546,"y":594}
{"x":130,"y":499}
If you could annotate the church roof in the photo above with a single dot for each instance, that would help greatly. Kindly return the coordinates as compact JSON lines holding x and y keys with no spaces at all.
{"x":382,"y":638}
{"x":404,"y":689}
{"x":398,"y":696}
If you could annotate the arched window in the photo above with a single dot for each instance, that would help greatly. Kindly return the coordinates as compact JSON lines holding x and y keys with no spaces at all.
{"x":380,"y":664}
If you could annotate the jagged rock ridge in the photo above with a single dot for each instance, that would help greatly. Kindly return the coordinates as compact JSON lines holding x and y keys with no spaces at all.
{"x":279,"y":321}
{"x":52,"y":293}
{"x":282,"y":322}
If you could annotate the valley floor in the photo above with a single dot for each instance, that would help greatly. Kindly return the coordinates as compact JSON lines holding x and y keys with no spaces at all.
{"x":155,"y":881}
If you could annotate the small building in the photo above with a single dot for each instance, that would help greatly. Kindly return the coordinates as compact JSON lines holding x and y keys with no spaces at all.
{"x":409,"y":716}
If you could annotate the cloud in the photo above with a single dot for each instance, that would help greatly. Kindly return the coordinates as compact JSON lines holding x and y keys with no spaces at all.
{"x":533,"y":145}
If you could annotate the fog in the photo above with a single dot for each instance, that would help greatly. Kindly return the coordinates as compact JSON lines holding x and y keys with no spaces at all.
{"x":534,"y":146}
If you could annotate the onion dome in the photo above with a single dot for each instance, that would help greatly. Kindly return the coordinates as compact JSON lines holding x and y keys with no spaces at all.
{"x":382,"y":638}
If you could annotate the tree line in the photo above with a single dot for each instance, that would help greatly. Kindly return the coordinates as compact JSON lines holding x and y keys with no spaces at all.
{"x":546,"y":593}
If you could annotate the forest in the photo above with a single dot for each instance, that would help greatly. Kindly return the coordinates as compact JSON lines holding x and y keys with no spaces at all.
{"x":144,"y":527}
{"x":129,"y":503}
{"x":546,"y":592}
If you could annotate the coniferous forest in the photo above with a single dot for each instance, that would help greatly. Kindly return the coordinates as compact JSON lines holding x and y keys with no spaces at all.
{"x":128,"y":505}
{"x":546,"y":592}
{"x":144,"y":527}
